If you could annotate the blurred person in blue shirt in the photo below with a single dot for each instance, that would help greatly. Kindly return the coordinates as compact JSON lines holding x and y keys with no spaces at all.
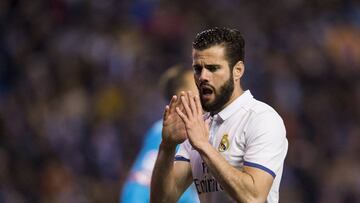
{"x":137,"y":187}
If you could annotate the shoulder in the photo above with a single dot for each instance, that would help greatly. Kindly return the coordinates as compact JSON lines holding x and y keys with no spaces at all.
{"x":264,"y":119}
{"x":263,"y":111}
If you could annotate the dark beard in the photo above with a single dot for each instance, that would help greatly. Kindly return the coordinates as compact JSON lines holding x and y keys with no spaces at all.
{"x":221,"y":98}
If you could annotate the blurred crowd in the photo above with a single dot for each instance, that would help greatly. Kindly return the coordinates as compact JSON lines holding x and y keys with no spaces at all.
{"x":78,"y":89}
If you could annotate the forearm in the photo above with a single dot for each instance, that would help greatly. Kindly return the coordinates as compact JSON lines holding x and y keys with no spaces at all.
{"x":163,"y":181}
{"x":238,"y":184}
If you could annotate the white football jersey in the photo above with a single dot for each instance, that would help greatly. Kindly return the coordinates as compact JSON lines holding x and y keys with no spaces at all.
{"x":247,"y":132}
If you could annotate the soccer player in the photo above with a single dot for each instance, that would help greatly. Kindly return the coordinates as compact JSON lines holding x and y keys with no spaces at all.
{"x":137,"y":187}
{"x":233,"y":153}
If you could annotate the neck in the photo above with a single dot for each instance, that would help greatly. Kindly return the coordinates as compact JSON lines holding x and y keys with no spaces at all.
{"x":236,"y":93}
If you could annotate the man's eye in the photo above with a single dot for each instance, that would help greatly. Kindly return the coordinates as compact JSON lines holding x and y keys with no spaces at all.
{"x":212,"y":69}
{"x":197,"y":70}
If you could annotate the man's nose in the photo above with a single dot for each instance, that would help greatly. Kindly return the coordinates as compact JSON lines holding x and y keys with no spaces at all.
{"x":204,"y":75}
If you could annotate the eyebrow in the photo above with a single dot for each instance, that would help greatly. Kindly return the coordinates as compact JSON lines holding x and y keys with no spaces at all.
{"x":207,"y":66}
{"x":212,"y":66}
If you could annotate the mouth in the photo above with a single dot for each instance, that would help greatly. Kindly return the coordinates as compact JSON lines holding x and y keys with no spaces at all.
{"x":206,"y":92}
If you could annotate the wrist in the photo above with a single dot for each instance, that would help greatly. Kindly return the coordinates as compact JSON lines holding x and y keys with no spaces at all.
{"x":202,"y":146}
{"x":168,"y":146}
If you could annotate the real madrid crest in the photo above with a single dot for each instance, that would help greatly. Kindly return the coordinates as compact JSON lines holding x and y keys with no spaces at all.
{"x":224,"y":143}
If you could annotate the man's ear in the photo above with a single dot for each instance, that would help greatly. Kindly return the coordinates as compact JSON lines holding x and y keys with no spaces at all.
{"x":238,"y":70}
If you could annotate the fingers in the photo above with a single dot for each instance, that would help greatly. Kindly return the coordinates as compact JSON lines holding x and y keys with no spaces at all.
{"x":166,"y":112}
{"x":182,"y":115}
{"x":172,"y":102}
{"x":186,"y":106}
{"x":198,"y":105}
{"x":192,"y":104}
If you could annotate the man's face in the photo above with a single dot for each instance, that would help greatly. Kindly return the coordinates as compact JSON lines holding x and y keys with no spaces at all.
{"x":213,"y":78}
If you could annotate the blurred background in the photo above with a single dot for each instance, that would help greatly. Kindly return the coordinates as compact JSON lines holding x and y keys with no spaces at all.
{"x":78,"y":89}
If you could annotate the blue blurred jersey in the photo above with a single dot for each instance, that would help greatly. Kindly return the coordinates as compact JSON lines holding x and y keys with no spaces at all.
{"x":137,"y":187}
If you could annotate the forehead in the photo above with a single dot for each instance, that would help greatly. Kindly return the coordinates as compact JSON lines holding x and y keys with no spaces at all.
{"x":212,"y":55}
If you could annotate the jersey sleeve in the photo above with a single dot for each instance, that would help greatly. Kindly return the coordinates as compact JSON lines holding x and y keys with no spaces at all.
{"x":265,"y":143}
{"x":183,"y":153}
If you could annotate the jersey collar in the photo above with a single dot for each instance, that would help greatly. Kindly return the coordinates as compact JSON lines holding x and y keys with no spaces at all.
{"x":234,"y":106}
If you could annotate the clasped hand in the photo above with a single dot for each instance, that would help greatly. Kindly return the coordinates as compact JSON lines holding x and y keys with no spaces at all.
{"x":183,"y":119}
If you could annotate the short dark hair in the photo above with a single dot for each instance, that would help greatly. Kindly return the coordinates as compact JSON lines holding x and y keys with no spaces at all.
{"x":172,"y":80}
{"x":232,"y":40}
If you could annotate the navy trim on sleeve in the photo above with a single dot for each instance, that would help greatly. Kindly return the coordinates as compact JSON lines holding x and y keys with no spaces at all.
{"x":180,"y":158}
{"x":255,"y":165}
